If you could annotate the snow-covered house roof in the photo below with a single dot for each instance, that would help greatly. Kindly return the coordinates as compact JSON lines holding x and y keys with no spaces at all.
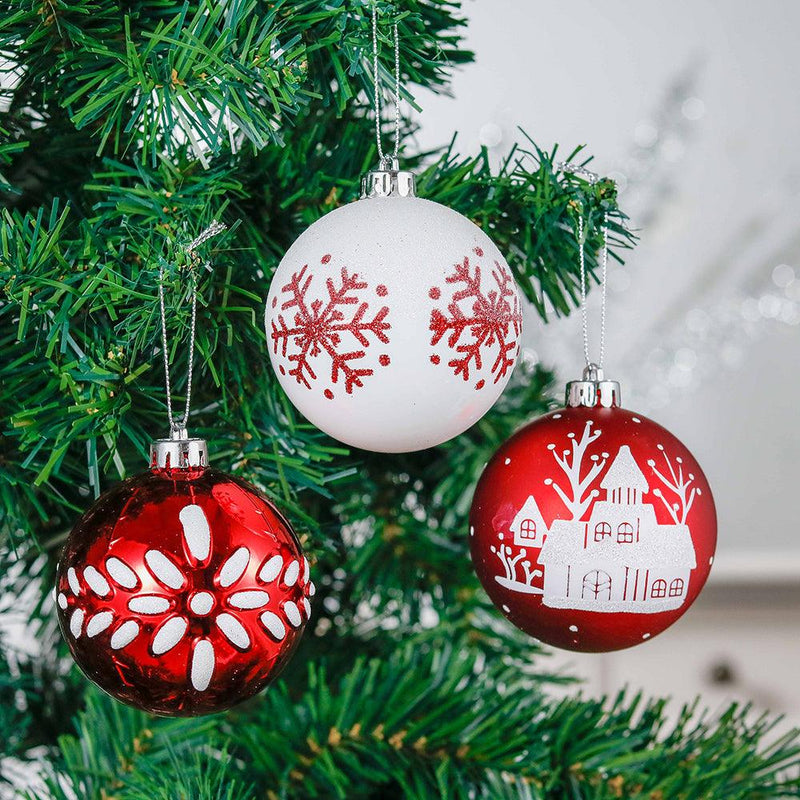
{"x":659,"y":546}
{"x":529,"y":510}
{"x":624,"y":473}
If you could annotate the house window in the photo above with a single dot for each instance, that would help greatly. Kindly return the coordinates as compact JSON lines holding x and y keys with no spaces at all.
{"x":527,"y":530}
{"x":676,"y":588}
{"x":596,"y":585}
{"x":659,"y":588}
{"x":601,"y":530}
{"x":625,"y":533}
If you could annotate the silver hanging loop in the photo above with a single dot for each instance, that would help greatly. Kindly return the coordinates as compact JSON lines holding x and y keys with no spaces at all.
{"x":388,"y":180}
{"x":592,"y":389}
{"x":180,"y":450}
{"x":376,"y":81}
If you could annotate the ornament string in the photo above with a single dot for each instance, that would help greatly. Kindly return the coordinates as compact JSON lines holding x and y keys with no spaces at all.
{"x":376,"y":81}
{"x":178,"y":427}
{"x":592,"y":178}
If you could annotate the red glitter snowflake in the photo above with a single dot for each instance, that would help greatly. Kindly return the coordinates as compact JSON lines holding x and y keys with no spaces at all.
{"x":476,"y":320}
{"x":322,"y":327}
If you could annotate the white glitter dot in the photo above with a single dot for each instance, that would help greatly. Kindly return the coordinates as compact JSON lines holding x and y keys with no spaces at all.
{"x":556,"y":416}
{"x":646,"y":636}
{"x":506,"y":609}
{"x":573,"y":628}
{"x":201,"y":603}
{"x":471,"y":530}
{"x":636,"y":419}
{"x":508,"y":461}
{"x":710,"y":561}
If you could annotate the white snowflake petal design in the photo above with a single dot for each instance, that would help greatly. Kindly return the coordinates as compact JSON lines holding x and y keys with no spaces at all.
{"x":274,"y":625}
{"x":168,"y":635}
{"x":121,"y":573}
{"x":148,"y":604}
{"x":98,"y":623}
{"x":234,"y":567}
{"x":197,"y":603}
{"x":292,"y":613}
{"x":234,"y":631}
{"x":203,"y":663}
{"x":124,"y":635}
{"x":271,"y":569}
{"x":164,"y":570}
{"x":292,"y":573}
{"x":76,"y":622}
{"x":72,"y":580}
{"x":251,"y":598}
{"x":196,"y":531}
{"x":96,"y":581}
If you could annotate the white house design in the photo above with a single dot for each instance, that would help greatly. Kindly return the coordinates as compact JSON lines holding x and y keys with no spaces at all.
{"x":621,"y":559}
{"x":529,"y":527}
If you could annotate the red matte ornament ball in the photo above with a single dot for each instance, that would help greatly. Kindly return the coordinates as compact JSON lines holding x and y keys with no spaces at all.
{"x":183,"y":591}
{"x":593,"y":529}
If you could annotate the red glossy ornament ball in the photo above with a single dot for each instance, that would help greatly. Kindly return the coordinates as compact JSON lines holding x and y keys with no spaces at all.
{"x":183,"y":591}
{"x":593,"y":529}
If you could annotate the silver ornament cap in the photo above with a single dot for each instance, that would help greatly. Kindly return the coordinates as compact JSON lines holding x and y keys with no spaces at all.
{"x":178,"y":452}
{"x":593,"y":390}
{"x":388,"y":181}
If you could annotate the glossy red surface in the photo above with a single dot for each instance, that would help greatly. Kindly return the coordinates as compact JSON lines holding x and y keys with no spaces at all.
{"x":182,"y":592}
{"x":593,"y":529}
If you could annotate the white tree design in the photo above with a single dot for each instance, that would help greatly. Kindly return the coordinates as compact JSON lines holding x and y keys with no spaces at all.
{"x":576,"y":498}
{"x":680,"y":484}
{"x":503,"y":552}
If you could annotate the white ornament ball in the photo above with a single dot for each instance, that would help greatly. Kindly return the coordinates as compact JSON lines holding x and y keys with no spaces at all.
{"x":393,"y":323}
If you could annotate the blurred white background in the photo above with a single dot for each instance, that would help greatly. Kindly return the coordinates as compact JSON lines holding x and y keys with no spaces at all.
{"x":693,"y":107}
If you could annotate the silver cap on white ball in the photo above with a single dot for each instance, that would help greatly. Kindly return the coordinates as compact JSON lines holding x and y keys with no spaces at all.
{"x":388,"y":181}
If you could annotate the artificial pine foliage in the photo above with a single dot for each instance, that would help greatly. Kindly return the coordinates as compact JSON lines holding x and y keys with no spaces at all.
{"x":124,"y":129}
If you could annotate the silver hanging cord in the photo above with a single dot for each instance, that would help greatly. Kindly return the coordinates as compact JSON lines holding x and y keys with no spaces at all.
{"x":178,"y":427}
{"x":376,"y":81}
{"x":592,"y":178}
{"x":603,"y":285}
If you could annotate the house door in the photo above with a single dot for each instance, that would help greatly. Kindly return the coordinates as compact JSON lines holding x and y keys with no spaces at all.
{"x":596,"y":585}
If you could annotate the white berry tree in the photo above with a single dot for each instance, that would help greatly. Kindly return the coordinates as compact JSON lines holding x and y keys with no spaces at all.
{"x":679,"y":484}
{"x":577,"y":496}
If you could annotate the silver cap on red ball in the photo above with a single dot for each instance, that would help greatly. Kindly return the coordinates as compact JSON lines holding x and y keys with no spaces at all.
{"x":593,"y":390}
{"x":178,"y":452}
{"x":388,"y":181}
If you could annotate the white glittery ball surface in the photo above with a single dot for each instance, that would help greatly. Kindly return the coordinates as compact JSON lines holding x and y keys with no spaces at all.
{"x":393,"y":323}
